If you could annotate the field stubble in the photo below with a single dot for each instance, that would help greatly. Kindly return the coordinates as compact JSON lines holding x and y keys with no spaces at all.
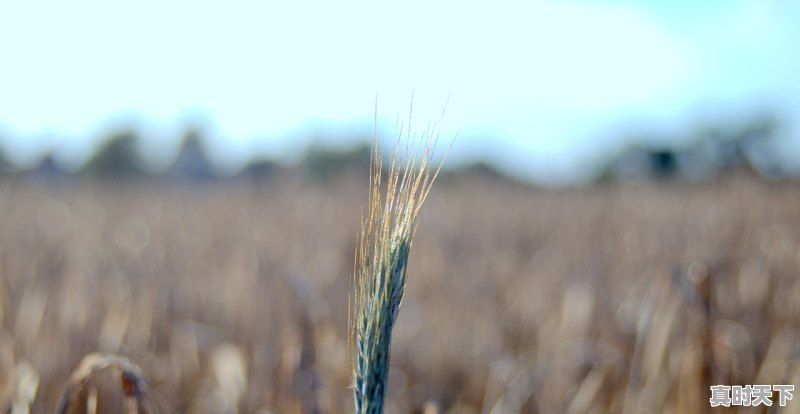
{"x":234,"y":297}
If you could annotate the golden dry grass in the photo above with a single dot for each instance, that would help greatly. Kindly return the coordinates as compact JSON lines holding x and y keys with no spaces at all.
{"x":234,"y":298}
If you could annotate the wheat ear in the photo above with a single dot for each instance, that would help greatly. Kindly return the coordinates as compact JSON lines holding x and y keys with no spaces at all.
{"x":379,"y":276}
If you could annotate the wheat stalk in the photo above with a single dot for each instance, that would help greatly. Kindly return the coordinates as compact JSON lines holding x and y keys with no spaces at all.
{"x":384,"y":244}
{"x":81,"y":395}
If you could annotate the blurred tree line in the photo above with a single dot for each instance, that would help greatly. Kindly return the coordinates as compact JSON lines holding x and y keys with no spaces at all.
{"x":120,"y":157}
{"x":753,"y":144}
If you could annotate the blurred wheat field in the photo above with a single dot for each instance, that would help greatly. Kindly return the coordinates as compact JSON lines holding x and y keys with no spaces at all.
{"x":234,"y":297}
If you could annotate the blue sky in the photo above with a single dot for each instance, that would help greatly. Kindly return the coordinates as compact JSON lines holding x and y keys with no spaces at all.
{"x":539,"y":87}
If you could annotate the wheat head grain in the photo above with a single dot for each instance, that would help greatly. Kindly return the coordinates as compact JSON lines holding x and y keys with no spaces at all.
{"x":381,"y":258}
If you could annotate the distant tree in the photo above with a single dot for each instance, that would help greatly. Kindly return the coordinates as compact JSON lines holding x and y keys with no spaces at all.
{"x":6,"y":166}
{"x":118,"y":157}
{"x":760,"y":141}
{"x":261,"y":168}
{"x":631,"y":163}
{"x":192,"y":161}
{"x":478,"y":169}
{"x":751,"y":144}
{"x":323,"y":162}
{"x":48,"y":166}
{"x":663,"y":162}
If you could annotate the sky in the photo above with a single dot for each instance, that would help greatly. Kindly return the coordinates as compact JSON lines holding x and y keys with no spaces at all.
{"x":540,"y":88}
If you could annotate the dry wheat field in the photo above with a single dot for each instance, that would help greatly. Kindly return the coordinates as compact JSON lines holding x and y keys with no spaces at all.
{"x":233,"y":297}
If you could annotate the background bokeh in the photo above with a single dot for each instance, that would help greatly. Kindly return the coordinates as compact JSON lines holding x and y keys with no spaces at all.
{"x":547,"y":91}
{"x":615,"y":230}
